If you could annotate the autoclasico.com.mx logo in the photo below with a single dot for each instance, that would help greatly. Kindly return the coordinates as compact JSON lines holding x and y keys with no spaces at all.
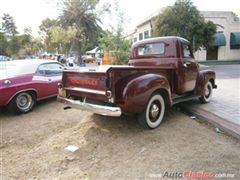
{"x":191,"y":175}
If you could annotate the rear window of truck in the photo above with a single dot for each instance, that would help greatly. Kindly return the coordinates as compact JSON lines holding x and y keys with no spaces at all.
{"x":151,"y":49}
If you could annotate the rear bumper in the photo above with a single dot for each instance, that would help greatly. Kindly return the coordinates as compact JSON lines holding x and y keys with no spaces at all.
{"x":98,"y":109}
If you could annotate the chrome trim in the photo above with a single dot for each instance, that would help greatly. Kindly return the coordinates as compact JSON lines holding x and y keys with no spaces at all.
{"x":85,"y":90}
{"x":98,"y":109}
{"x":7,"y":82}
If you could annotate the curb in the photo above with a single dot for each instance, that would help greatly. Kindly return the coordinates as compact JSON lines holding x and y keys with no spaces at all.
{"x":224,"y":124}
{"x":219,"y":62}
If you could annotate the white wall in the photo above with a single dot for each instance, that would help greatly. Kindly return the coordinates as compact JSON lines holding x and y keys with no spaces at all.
{"x":224,"y":19}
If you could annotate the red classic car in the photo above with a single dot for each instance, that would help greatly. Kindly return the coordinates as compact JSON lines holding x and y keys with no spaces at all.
{"x":23,"y":82}
{"x":88,"y":59}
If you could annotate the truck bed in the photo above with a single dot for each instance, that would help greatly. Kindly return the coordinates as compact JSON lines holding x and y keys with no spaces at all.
{"x":94,"y":82}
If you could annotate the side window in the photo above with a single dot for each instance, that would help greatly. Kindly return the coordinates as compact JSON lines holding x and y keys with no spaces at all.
{"x":146,"y":34}
{"x":140,"y":36}
{"x":187,"y":52}
{"x":151,"y":49}
{"x":50,"y":68}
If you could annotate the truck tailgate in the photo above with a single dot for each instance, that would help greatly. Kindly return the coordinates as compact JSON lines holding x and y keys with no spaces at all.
{"x":87,"y":82}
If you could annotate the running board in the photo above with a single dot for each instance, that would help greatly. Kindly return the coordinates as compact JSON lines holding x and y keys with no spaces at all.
{"x":184,"y":98}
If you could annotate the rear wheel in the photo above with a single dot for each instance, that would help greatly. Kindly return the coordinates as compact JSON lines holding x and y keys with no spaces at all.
{"x":153,"y":114}
{"x":22,"y":103}
{"x":207,"y":94}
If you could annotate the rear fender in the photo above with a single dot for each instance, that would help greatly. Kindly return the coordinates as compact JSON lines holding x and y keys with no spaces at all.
{"x":203,"y":78}
{"x":137,"y":92}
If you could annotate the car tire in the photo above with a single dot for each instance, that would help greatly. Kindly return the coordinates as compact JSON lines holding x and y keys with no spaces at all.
{"x":22,"y":103}
{"x":207,"y":94}
{"x":153,"y":114}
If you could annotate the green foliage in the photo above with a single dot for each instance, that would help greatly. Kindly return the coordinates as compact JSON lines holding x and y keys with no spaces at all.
{"x":117,"y":45}
{"x":62,"y":38}
{"x":183,"y":19}
{"x":14,"y":44}
{"x":8,"y":25}
{"x":3,"y":44}
{"x":10,"y":33}
{"x":114,"y":41}
{"x":44,"y":31}
{"x":81,"y":14}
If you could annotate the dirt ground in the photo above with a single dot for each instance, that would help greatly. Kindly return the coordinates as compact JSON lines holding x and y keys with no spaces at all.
{"x":32,"y":146}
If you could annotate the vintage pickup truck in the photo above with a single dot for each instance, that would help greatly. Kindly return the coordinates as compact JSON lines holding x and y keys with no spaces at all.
{"x":161,"y":72}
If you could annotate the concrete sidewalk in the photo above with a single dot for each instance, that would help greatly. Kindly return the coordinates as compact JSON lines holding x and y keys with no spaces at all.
{"x":224,"y":109}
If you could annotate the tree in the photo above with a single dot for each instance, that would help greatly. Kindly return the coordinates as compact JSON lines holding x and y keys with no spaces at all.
{"x":3,"y":44}
{"x":62,"y":38}
{"x":82,"y":15}
{"x":114,"y":40}
{"x":10,"y":30}
{"x":183,"y":19}
{"x":8,"y":25}
{"x":45,"y":34}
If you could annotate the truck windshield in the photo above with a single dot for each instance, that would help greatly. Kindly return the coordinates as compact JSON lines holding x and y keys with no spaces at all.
{"x":151,"y":49}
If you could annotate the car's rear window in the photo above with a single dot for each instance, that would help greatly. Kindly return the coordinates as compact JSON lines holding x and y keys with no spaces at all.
{"x":151,"y":49}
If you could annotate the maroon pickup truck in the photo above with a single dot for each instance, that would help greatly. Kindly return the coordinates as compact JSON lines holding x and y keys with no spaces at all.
{"x":161,"y":72}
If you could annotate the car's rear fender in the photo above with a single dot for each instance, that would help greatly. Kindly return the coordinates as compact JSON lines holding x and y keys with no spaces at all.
{"x":137,"y":92}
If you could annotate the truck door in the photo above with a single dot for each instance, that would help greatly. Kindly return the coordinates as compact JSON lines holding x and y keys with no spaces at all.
{"x":189,"y":69}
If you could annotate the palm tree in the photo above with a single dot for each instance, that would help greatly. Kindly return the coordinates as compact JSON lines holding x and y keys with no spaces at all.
{"x":82,"y":15}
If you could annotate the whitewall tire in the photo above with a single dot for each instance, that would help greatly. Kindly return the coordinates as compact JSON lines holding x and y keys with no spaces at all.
{"x":154,"y":112}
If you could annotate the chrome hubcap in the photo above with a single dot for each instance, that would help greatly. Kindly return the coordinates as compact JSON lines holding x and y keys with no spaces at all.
{"x":24,"y":101}
{"x":154,"y":111}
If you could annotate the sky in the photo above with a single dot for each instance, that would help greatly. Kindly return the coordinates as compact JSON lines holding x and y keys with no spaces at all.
{"x":30,"y":13}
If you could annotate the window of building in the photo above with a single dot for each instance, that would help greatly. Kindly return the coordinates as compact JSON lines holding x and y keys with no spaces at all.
{"x":146,"y":34}
{"x":151,"y":49}
{"x":140,"y":36}
{"x":135,"y":39}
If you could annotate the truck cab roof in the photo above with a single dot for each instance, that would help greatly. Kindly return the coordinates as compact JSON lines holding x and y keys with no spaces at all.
{"x":162,"y":47}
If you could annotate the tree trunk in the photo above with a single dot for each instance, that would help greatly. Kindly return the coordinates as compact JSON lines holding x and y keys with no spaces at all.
{"x":75,"y":50}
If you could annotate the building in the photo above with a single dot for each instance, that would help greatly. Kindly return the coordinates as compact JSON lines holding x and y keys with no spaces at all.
{"x":226,"y":40}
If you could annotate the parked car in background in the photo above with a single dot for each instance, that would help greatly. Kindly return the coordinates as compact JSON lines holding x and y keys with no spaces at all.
{"x":88,"y":59}
{"x":70,"y":61}
{"x":24,"y":82}
{"x":4,"y":58}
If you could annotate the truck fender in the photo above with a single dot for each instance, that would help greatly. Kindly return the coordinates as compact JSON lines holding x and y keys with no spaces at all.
{"x":203,"y":77}
{"x":137,"y":91}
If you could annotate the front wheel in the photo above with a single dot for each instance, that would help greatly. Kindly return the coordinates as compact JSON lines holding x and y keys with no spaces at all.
{"x":153,"y":114}
{"x":207,"y":93}
{"x":22,"y":103}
